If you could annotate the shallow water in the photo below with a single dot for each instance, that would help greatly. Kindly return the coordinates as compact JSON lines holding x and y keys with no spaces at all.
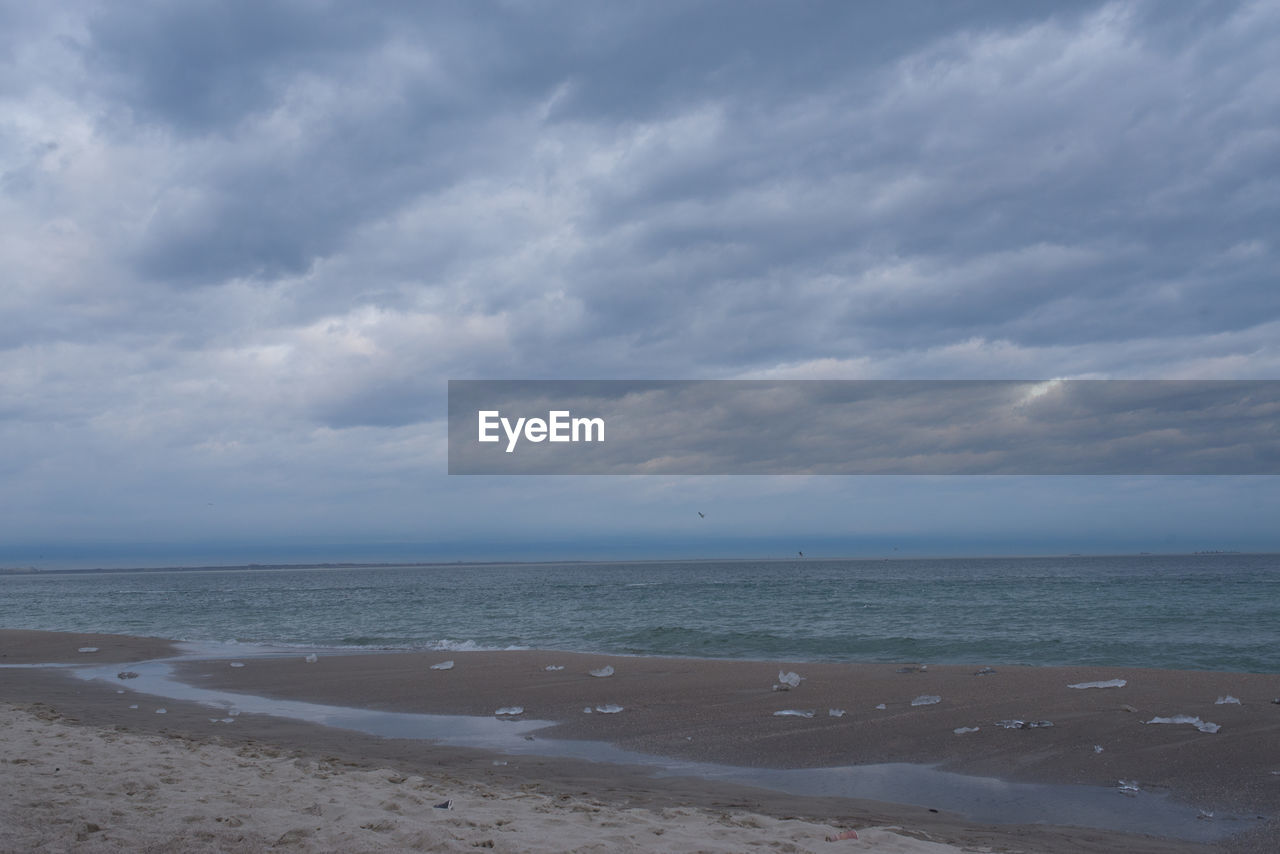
{"x":981,"y":799}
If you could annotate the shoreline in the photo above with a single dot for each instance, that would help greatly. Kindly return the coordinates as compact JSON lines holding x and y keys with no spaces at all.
{"x":712,"y":710}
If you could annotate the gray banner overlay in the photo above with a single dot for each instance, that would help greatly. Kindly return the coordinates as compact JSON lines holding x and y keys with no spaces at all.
{"x":864,"y":427}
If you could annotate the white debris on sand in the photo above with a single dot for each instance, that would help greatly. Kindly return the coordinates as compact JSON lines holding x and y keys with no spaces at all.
{"x":88,"y":649}
{"x":1203,"y":726}
{"x":237,"y":664}
{"x":926,"y":700}
{"x":1228,"y":700}
{"x":609,"y":709}
{"x":607,"y":670}
{"x":1110,"y":683}
{"x":1021,"y":724}
{"x":553,"y":667}
{"x":444,"y":665}
{"x":835,"y":713}
{"x":962,"y":730}
{"x":794,"y":713}
{"x":789,"y":678}
{"x":312,"y":658}
{"x":510,"y":710}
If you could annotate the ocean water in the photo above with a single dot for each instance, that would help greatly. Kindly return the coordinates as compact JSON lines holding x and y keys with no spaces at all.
{"x":1213,"y":612}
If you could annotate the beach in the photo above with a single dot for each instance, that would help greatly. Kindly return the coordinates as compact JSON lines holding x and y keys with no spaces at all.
{"x":265,"y":775}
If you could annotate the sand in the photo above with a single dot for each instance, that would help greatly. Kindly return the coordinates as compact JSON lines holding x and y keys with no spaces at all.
{"x":83,"y":788}
{"x":723,"y":711}
{"x":266,"y":781}
{"x":28,"y":647}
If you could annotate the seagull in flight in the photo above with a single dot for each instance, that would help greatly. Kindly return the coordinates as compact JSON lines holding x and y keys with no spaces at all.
{"x":701,"y":515}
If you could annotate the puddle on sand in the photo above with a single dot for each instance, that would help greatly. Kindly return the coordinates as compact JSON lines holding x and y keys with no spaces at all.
{"x":980,"y":799}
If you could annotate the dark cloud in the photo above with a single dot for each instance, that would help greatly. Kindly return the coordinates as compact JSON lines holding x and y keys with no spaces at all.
{"x":260,"y":236}
{"x":204,"y":66}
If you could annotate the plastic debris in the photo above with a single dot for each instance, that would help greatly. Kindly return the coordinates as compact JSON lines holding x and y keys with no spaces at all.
{"x":835,"y":713}
{"x":1110,"y":683}
{"x":134,"y":706}
{"x":88,"y":649}
{"x":1227,"y":700}
{"x":499,"y":762}
{"x":607,"y":670}
{"x":222,"y":720}
{"x":961,"y":730}
{"x":1127,"y":708}
{"x":1097,"y":748}
{"x":790,"y":679}
{"x":1205,"y":815}
{"x":126,"y":674}
{"x":510,"y":710}
{"x":926,"y":700}
{"x":1128,"y":787}
{"x":444,"y":805}
{"x":312,"y":658}
{"x":586,"y":710}
{"x":881,"y":707}
{"x":162,"y":711}
{"x":237,"y":664}
{"x":444,"y":665}
{"x":1020,"y":724}
{"x":844,"y":834}
{"x":794,"y":713}
{"x":984,"y":671}
{"x":554,"y":667}
{"x":609,"y":709}
{"x":1203,"y":726}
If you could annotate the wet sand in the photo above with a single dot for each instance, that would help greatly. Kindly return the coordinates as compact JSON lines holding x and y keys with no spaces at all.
{"x":722,"y":711}
{"x":19,"y":646}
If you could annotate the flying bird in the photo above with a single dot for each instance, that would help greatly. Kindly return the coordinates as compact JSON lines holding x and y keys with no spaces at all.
{"x":701,"y":515}
{"x":800,"y":553}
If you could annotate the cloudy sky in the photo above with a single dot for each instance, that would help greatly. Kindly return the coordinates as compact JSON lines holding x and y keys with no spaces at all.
{"x":246,"y":244}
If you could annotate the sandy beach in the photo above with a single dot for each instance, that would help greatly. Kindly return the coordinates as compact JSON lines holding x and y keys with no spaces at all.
{"x":84,"y":771}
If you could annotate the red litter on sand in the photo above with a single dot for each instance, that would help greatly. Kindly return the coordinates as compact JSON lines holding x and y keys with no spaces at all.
{"x":844,"y":834}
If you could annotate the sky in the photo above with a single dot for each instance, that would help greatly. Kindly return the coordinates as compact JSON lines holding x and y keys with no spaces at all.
{"x":246,"y":244}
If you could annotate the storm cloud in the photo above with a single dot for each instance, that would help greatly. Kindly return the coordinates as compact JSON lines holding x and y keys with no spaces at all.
{"x":246,"y":244}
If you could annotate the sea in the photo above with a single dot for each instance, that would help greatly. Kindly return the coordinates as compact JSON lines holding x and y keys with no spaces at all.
{"x":1201,"y":612}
